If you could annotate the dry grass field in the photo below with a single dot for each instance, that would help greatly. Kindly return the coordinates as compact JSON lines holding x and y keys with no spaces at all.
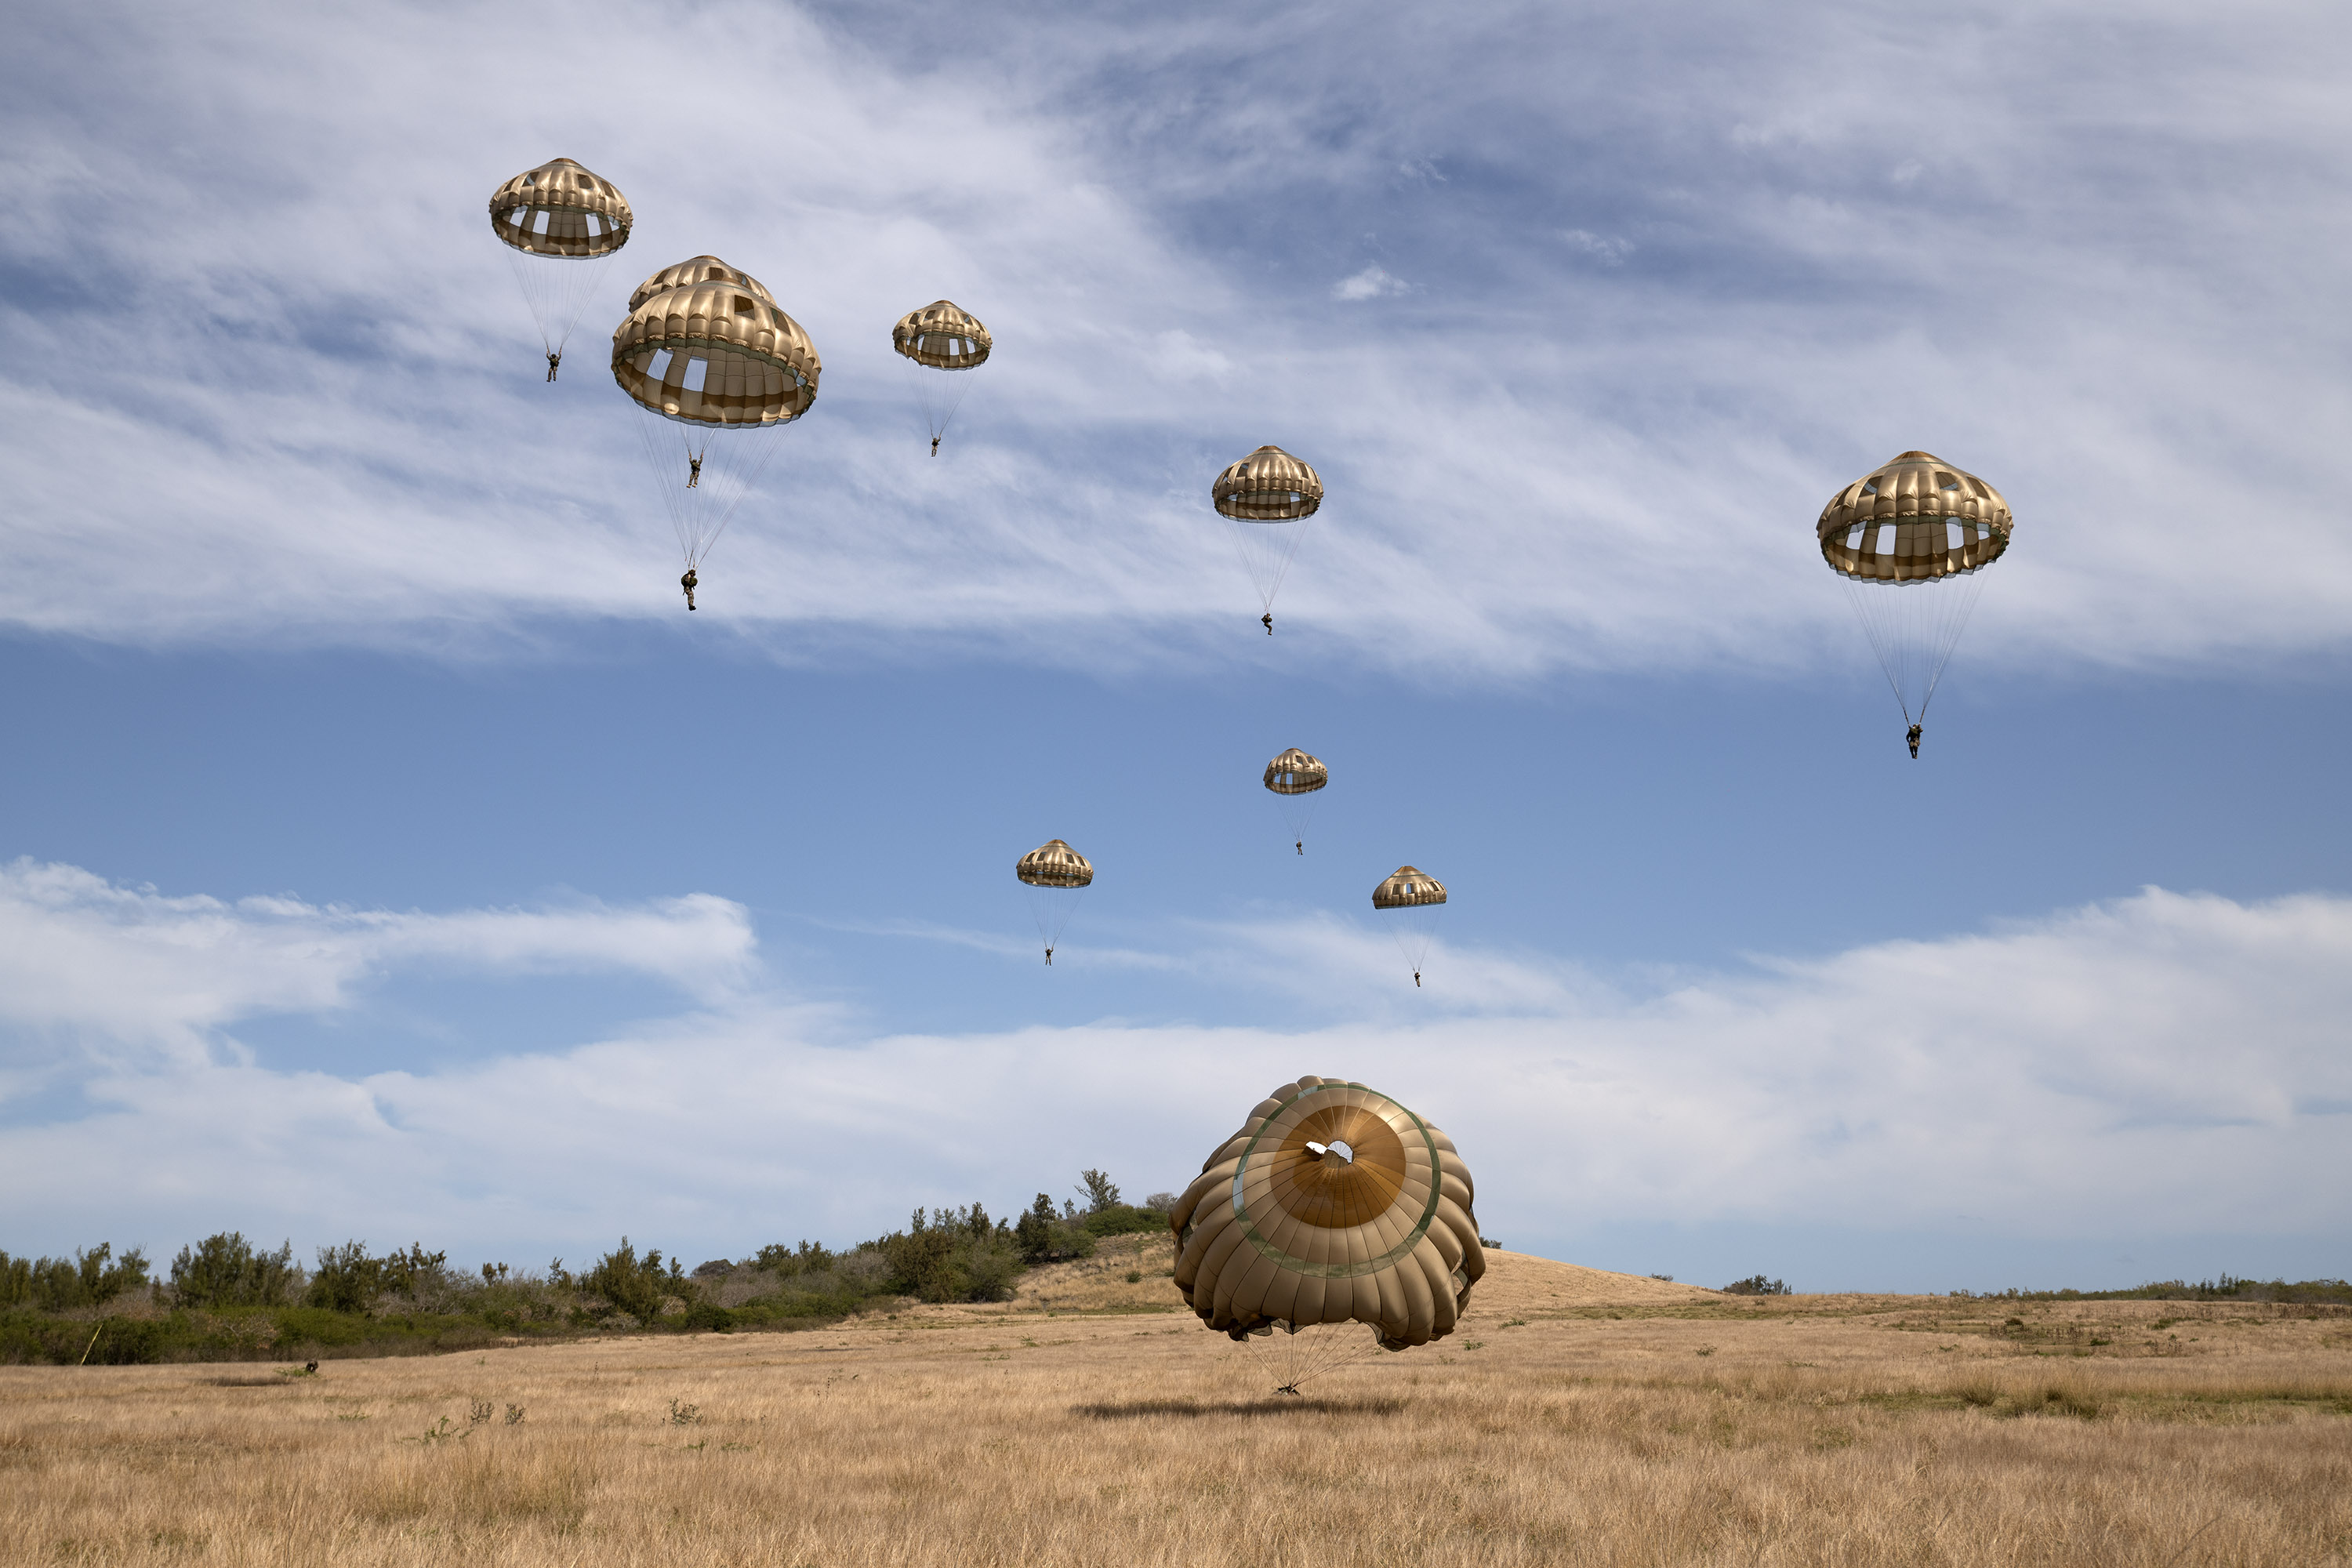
{"x":1581,"y":1417}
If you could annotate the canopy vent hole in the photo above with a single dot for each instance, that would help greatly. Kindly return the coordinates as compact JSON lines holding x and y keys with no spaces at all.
{"x":1333,"y":1147}
{"x":697,"y":371}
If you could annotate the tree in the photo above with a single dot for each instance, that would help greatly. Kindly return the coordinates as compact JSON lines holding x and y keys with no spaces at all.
{"x":1099,"y":1190}
{"x":1756,"y":1285}
{"x":347,"y":1279}
{"x":224,"y":1270}
{"x":1033,"y":1235}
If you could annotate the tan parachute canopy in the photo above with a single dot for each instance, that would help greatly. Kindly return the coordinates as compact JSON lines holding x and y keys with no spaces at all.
{"x":1055,"y":864}
{"x":1332,"y":1204}
{"x":1914,"y":518}
{"x":1907,"y":540}
{"x":696,"y":269}
{"x":1295,"y":773}
{"x":1408,"y":888}
{"x":755,"y":365}
{"x":1267,"y":486}
{"x":561,"y":209}
{"x":944,"y":335}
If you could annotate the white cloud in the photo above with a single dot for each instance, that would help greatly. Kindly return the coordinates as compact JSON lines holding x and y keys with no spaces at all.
{"x":1607,"y":248}
{"x":1372,"y":283}
{"x":130,"y":968}
{"x":2163,"y":1063}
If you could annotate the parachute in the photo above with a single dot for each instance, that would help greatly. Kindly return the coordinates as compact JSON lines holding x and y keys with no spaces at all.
{"x":1908,"y":541}
{"x":1333,"y":1210}
{"x":1052,"y":871}
{"x":561,"y":226}
{"x":941,"y":336}
{"x":1417,"y":900}
{"x":1295,"y":777}
{"x":1268,"y":496}
{"x":705,"y":349}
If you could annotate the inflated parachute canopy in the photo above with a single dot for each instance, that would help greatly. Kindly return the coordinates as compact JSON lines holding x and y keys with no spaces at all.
{"x":1332,"y":1204}
{"x":1405,"y":888}
{"x":713,"y":349}
{"x":1055,"y":864}
{"x":1915,"y":518}
{"x":944,"y":335}
{"x":561,"y":209}
{"x":696,"y":269}
{"x":1295,"y":773}
{"x":1267,"y":486}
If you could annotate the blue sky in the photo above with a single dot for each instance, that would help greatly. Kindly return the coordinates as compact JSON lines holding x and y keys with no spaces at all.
{"x":386,"y":854}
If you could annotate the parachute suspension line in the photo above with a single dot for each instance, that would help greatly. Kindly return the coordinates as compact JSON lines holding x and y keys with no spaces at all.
{"x":1414,"y":929}
{"x":1886,"y":648}
{"x":557,"y":290}
{"x":1912,"y":629}
{"x":1948,"y":636}
{"x":1300,"y":1352}
{"x":1051,"y":908}
{"x":702,"y":487}
{"x":938,"y":392}
{"x":1266,"y":551}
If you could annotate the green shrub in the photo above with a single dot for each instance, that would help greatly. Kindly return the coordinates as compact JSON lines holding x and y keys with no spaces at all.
{"x":1755,"y":1285}
{"x":636,"y":1285}
{"x":1046,"y":1236}
{"x":952,"y":1256}
{"x":704,"y":1316}
{"x":1123,"y":1219}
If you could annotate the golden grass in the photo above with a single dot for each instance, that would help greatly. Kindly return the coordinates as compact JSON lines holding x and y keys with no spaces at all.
{"x":1579,"y":1417}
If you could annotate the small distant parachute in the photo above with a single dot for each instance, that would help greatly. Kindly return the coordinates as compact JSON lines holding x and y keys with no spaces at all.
{"x":1057,"y":876}
{"x":1295,"y":777}
{"x":940,"y":337}
{"x":1267,"y":496}
{"x":1908,"y":541}
{"x":719,"y":369}
{"x":561,"y":226}
{"x":1416,"y":899}
{"x":1333,"y":1210}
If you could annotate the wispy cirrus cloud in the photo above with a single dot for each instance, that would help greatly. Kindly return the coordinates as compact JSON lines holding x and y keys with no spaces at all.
{"x":276,"y":383}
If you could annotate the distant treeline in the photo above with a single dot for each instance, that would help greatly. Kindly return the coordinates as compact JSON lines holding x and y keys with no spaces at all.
{"x":226,"y":1299}
{"x":2229,"y":1287}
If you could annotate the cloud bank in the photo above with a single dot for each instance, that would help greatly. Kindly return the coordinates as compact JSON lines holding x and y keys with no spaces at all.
{"x":274,"y":386}
{"x":2161,"y":1064}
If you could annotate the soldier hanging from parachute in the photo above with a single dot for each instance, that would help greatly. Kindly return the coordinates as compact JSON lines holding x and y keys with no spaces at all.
{"x":561,"y":226}
{"x":1267,"y":497}
{"x":1908,"y":541}
{"x":1052,"y":872}
{"x":705,"y":347}
{"x":943,"y":338}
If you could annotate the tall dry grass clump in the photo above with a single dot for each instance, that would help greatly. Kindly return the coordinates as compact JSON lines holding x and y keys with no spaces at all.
{"x":1571,"y":1421}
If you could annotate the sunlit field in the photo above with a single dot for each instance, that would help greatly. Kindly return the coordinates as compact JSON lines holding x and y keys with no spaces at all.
{"x":1580,"y":1417}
